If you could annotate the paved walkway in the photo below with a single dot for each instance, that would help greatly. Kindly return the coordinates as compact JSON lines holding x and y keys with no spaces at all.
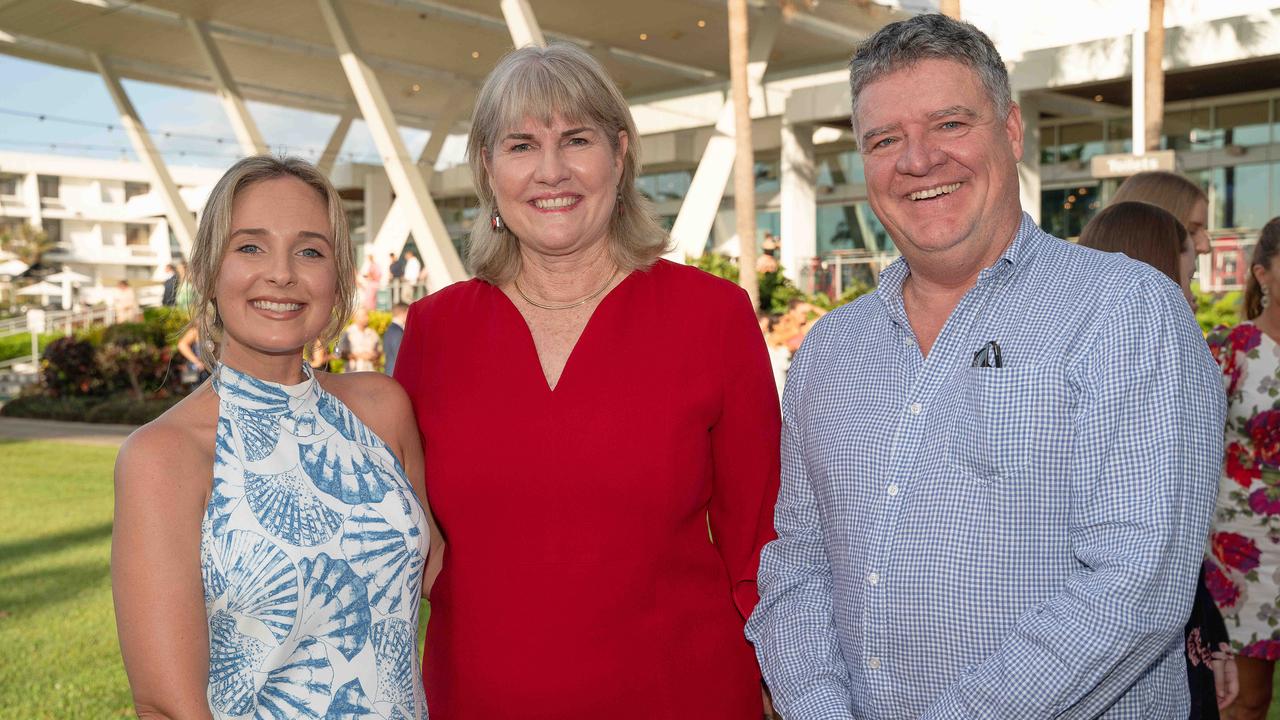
{"x":72,"y":432}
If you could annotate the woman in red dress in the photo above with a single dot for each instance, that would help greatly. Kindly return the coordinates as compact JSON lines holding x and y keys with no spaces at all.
{"x":601,"y":430}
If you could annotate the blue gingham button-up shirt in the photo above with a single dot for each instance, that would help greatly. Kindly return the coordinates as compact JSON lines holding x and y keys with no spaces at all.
{"x":982,"y":542}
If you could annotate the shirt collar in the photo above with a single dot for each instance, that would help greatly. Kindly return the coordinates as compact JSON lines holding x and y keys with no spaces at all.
{"x":1018,"y":253}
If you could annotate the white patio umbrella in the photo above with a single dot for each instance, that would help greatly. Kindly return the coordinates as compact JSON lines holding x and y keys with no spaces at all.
{"x":12,"y":268}
{"x":42,"y":289}
{"x":68,"y":278}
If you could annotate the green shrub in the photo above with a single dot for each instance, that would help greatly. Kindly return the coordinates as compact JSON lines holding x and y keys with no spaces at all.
{"x":47,"y":408}
{"x":139,"y":368}
{"x":167,"y":322}
{"x":16,"y":346}
{"x":133,"y":333}
{"x":1214,"y":310}
{"x":127,"y":411}
{"x":70,"y":367}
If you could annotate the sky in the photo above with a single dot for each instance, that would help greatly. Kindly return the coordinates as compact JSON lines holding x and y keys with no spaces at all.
{"x":194,"y":121}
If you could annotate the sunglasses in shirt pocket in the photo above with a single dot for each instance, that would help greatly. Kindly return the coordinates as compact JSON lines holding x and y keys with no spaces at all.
{"x":1000,"y":420}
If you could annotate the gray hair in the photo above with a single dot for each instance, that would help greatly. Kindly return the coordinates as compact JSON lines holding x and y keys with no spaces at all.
{"x":930,"y":37}
{"x":541,"y":83}
{"x":214,"y":234}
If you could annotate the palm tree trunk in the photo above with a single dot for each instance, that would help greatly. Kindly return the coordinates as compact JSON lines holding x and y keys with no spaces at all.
{"x":744,"y":189}
{"x":1154,"y":91}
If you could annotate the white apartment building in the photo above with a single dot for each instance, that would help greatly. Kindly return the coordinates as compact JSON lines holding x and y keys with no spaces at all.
{"x":108,"y":223}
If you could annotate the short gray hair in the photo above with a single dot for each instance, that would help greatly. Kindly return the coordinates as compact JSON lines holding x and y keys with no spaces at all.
{"x":540,"y":83}
{"x":930,"y":37}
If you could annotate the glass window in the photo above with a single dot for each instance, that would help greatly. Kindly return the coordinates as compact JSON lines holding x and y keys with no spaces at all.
{"x":1189,"y":130}
{"x":1246,"y":200}
{"x":53,"y":229}
{"x":1065,"y":211}
{"x":1080,"y":141}
{"x":767,"y":176}
{"x":1246,"y":124}
{"x":48,"y":186}
{"x":9,"y":183}
{"x":1120,"y":135}
{"x":1048,"y":144}
{"x":850,"y":227}
{"x":840,"y":168}
{"x":134,"y":189}
{"x":660,"y":187}
{"x":137,"y":234}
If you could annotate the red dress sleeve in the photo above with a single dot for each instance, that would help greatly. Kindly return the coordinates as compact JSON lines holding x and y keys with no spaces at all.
{"x":745,"y":452}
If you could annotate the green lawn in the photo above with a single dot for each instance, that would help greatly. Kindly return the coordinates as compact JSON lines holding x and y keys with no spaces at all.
{"x":59,"y":658}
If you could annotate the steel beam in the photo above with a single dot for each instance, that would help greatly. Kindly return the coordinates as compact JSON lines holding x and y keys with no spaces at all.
{"x":442,"y":262}
{"x":180,"y":218}
{"x":522,"y":23}
{"x":246,"y":130}
{"x":394,"y":230}
{"x":336,"y":139}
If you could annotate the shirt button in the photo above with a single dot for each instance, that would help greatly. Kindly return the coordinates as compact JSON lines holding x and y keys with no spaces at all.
{"x":874,"y":578}
{"x":908,"y":342}
{"x":916,"y":408}
{"x":893,"y":489}
{"x":873,"y":663}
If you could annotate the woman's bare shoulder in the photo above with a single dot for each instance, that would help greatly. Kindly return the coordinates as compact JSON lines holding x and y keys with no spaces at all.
{"x":176,"y":447}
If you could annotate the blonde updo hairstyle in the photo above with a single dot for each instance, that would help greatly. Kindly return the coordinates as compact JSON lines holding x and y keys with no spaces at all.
{"x":214,"y":234}
{"x":1166,"y":190}
{"x":542,"y":83}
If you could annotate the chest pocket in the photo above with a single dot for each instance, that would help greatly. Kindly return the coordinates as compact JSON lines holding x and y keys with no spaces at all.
{"x":1002,"y":418}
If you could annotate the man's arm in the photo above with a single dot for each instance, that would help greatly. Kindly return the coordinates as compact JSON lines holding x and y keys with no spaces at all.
{"x":1144,"y":475}
{"x":792,"y":627}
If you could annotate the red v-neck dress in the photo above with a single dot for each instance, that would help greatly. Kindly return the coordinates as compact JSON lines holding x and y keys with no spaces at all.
{"x":580,"y":581}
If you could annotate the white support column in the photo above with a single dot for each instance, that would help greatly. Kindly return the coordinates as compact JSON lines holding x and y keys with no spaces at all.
{"x":1029,"y":168}
{"x":330,"y":153}
{"x":441,"y":260}
{"x":1138,"y":60}
{"x":377,"y":202}
{"x":522,"y":23}
{"x":251,"y":142}
{"x":31,"y":194}
{"x":180,"y":218}
{"x":702,"y":202}
{"x":799,"y":198}
{"x":394,"y":230}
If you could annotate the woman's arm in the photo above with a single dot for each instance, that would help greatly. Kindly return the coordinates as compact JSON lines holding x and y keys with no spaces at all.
{"x":189,"y":338}
{"x":155,"y":573}
{"x":745,"y":451}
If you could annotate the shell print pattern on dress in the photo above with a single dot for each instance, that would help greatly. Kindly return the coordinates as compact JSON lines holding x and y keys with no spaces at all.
{"x":313,"y":546}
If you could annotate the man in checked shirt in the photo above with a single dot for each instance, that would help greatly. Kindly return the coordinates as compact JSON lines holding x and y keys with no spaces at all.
{"x":999,"y":468}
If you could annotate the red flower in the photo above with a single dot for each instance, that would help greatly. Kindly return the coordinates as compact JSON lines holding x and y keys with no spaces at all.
{"x":1264,"y":431}
{"x":1261,"y":502}
{"x":1244,"y":337}
{"x":1225,"y":594}
{"x":1262,"y":650}
{"x":1235,"y":551}
{"x":1240,"y":466}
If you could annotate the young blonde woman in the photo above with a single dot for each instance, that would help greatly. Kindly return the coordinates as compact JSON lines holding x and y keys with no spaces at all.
{"x":271,"y":530}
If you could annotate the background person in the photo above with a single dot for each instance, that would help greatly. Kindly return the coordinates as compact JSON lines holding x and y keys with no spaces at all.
{"x":1176,"y":194}
{"x":576,"y":460}
{"x":169,"y":298}
{"x":369,"y":281}
{"x":1153,"y":236}
{"x":392,"y":336}
{"x":1244,"y":570}
{"x":268,"y":550}
{"x":976,"y":518}
{"x":360,"y":346}
{"x":414,"y":275}
{"x":125,"y":303}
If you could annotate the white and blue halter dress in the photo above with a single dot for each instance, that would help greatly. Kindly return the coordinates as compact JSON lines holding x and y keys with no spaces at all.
{"x":312,"y":551}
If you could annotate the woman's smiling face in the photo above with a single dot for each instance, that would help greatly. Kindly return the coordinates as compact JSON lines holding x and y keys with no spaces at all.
{"x":278,"y":280}
{"x":556,"y":185}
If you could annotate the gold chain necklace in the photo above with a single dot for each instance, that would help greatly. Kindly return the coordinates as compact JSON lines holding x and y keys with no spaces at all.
{"x":575,"y":304}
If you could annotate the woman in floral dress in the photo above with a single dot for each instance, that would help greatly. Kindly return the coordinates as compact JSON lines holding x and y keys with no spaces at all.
{"x":1243,"y":570}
